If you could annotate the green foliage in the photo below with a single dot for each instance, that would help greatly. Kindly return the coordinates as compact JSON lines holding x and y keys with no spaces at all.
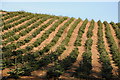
{"x":55,"y":71}
{"x":12,"y":32}
{"x":22,"y":33}
{"x":116,"y":29}
{"x":29,"y":61}
{"x":7,"y":16}
{"x":80,"y":33}
{"x":7,"y":25}
{"x":113,"y":47}
{"x":91,"y":27}
{"x":62,"y":65}
{"x":46,"y":34}
{"x":86,"y":63}
{"x":15,"y":73}
{"x":118,"y":25}
{"x":26,"y":40}
{"x":65,"y":42}
{"x":28,"y":48}
{"x":104,"y":58}
{"x":88,"y":44}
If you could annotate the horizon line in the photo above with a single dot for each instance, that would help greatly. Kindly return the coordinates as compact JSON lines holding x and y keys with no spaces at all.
{"x":59,"y":15}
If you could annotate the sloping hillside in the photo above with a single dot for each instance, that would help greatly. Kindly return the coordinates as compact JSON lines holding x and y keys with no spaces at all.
{"x":40,"y":47}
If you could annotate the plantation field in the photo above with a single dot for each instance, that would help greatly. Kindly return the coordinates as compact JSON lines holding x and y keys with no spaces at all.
{"x":48,"y":47}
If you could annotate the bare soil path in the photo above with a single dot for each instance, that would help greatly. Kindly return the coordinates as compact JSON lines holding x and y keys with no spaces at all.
{"x":53,"y":49}
{"x":23,"y":37}
{"x":15,"y":27}
{"x":81,"y":49}
{"x":4,"y":72}
{"x":3,"y":12}
{"x":70,"y":46}
{"x":30,"y":33}
{"x":96,"y":66}
{"x":51,"y":36}
{"x":115,"y":68}
{"x":114,"y":36}
{"x":38,"y":36}
{"x":64,"y":34}
{"x":10,"y":19}
{"x":105,"y":40}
